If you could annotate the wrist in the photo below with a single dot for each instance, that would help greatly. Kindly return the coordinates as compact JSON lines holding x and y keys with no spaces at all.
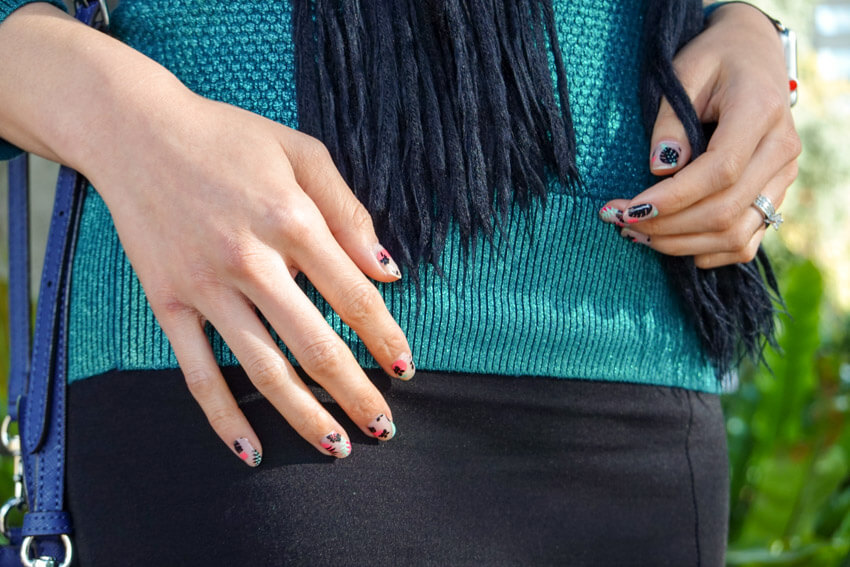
{"x":71,"y":93}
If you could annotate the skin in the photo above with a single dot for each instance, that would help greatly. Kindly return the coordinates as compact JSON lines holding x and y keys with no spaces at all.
{"x":735,"y":74}
{"x":218,"y":208}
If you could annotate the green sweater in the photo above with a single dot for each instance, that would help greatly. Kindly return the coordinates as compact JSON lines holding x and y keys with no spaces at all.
{"x":559,"y":294}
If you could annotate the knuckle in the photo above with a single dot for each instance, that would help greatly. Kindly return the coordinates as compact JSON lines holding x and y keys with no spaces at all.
{"x":737,"y":238}
{"x":167,"y":306}
{"x":704,"y":261}
{"x":360,"y":302}
{"x":238,"y":257}
{"x":365,"y":401}
{"x":773,"y":104}
{"x":308,"y":421}
{"x":361,"y":220}
{"x":728,"y":170}
{"x":201,"y":382}
{"x":748,"y":254}
{"x":324,"y":356}
{"x":221,"y":419}
{"x":265,"y":372}
{"x":294,"y":223}
{"x":791,"y":144}
{"x":729,"y":215}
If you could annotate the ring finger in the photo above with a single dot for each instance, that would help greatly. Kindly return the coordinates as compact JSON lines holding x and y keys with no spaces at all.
{"x":733,"y":241}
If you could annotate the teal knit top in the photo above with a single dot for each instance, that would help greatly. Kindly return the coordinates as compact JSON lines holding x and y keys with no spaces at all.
{"x":558,"y":294}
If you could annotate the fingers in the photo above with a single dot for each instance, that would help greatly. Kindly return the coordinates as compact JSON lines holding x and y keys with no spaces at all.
{"x":737,"y":243}
{"x":313,"y":250}
{"x":358,"y":303}
{"x":208,"y":387}
{"x":275,"y":378}
{"x":721,"y":211}
{"x":347,"y":218}
{"x":318,"y":349}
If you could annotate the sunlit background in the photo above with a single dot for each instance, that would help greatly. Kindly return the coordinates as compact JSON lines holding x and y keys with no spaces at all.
{"x":789,"y":439}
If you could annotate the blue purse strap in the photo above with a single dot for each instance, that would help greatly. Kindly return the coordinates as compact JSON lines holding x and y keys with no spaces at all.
{"x":37,"y":380}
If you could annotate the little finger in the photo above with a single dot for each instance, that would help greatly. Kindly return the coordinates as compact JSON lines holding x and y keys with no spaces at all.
{"x":275,"y":378}
{"x":208,"y":387}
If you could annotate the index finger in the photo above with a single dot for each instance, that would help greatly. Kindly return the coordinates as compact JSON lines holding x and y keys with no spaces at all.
{"x":739,"y":131}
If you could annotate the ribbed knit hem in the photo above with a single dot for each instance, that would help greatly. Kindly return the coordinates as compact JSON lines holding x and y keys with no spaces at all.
{"x":606,"y":313}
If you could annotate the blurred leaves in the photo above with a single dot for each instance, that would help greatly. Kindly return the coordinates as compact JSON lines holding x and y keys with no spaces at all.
{"x":789,"y":449}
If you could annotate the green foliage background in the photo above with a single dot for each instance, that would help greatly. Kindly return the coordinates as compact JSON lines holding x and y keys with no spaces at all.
{"x":788,"y":432}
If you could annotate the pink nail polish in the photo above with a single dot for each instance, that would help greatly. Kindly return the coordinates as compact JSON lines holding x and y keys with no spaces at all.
{"x":612,"y":215}
{"x":636,"y":237}
{"x":403,"y":367}
{"x":386,"y":261}
{"x":246,"y":452}
{"x":335,"y":444}
{"x":382,"y":428}
{"x":665,"y":155}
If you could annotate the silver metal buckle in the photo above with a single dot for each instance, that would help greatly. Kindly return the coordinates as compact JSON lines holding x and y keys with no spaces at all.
{"x":45,"y":561}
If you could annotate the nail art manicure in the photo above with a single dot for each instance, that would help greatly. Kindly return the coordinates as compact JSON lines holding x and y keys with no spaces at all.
{"x":386,"y":261}
{"x":247,"y":452}
{"x":382,"y":428}
{"x":636,"y":237}
{"x":612,"y":215}
{"x":335,"y":444}
{"x":665,"y":156}
{"x":639,"y":213}
{"x":403,"y":367}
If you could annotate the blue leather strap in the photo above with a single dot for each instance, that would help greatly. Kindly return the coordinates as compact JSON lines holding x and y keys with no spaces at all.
{"x":19,"y":280}
{"x":46,"y":523}
{"x":37,"y":385}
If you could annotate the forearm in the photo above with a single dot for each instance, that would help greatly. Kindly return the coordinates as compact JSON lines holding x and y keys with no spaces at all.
{"x":71,"y":93}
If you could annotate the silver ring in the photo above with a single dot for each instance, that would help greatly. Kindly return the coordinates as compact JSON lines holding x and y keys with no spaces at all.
{"x":771,"y":216}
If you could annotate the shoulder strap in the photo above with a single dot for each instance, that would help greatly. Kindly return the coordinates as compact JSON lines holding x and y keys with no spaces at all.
{"x":37,"y":384}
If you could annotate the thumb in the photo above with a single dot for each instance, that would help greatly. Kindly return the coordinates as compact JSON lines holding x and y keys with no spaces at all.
{"x":670,"y":147}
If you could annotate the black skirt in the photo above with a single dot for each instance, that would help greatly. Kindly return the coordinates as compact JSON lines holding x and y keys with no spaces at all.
{"x":484,"y":470}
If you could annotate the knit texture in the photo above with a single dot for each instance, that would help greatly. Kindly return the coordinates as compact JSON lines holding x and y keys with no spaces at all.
{"x":559,"y":293}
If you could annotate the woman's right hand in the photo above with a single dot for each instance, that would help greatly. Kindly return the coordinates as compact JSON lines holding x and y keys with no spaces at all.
{"x":218,"y":209}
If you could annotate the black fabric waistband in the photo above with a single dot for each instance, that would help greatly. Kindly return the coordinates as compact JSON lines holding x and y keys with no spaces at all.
{"x":484,"y":470}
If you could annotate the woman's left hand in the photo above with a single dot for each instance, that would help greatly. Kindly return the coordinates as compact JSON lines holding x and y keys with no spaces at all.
{"x":735,"y":74}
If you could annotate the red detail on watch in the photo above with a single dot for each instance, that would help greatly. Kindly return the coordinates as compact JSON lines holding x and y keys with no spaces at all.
{"x":793,"y":84}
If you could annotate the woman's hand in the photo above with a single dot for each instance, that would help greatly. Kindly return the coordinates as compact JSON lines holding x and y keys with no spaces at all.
{"x":217,"y":209}
{"x":734,"y":72}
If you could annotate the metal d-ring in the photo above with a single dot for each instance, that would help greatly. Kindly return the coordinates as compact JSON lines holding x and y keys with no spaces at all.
{"x":46,"y":561}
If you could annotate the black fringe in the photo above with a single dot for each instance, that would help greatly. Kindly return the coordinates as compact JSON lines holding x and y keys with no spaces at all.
{"x":732,"y":306}
{"x":435,"y":111}
{"x":441,"y":111}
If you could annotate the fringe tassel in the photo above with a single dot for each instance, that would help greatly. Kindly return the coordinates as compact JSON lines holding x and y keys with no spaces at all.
{"x":733,"y":306}
{"x":435,"y":111}
{"x":440,"y":111}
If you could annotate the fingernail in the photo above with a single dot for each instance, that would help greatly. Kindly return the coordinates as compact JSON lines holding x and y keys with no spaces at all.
{"x":335,"y":444}
{"x":639,"y":213}
{"x":386,"y":261}
{"x":403,"y":367}
{"x":247,"y":452}
{"x":665,"y":155}
{"x":637,"y":237}
{"x":612,"y":215}
{"x":382,"y":428}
